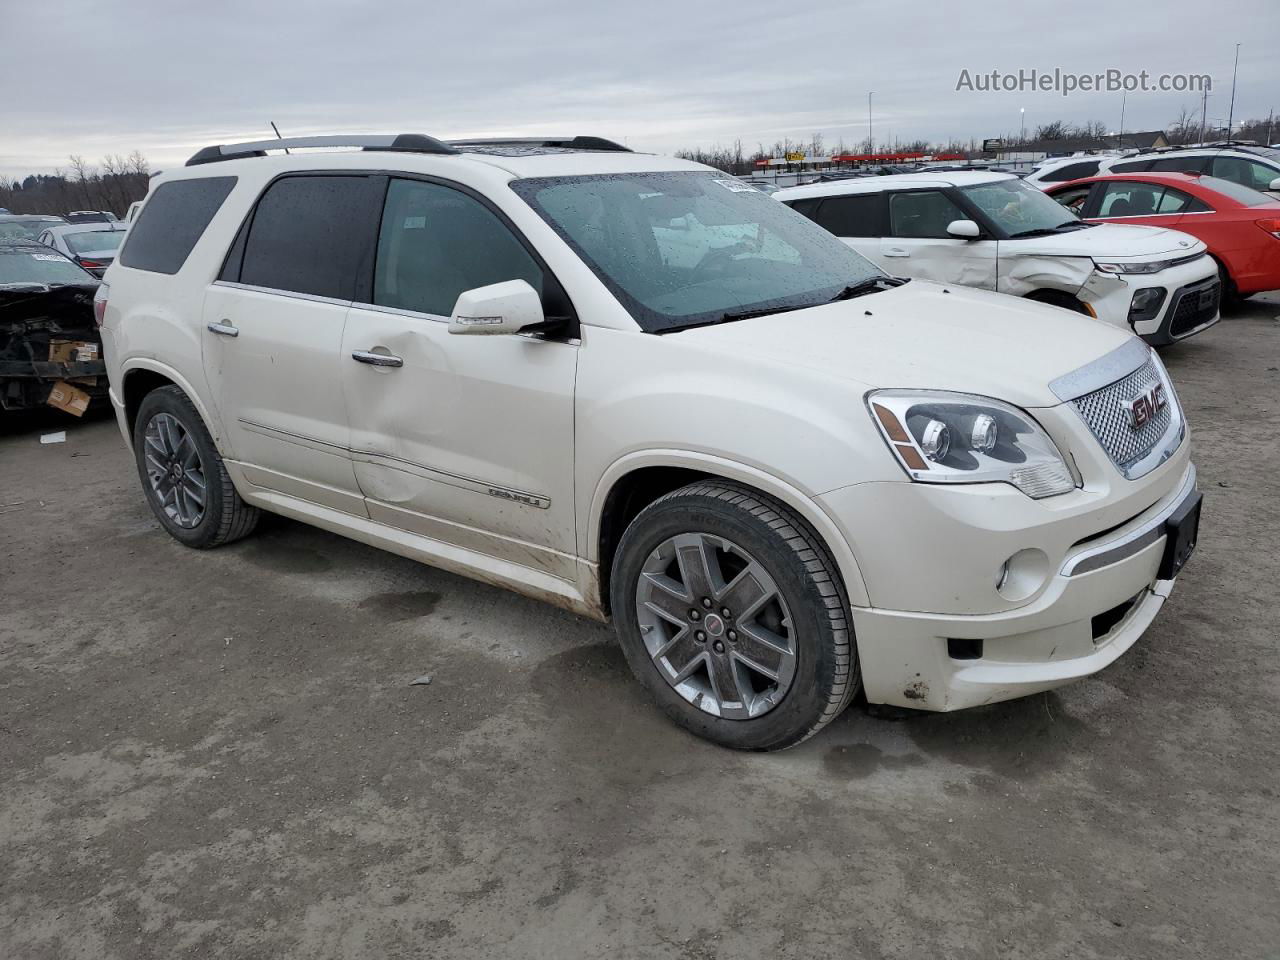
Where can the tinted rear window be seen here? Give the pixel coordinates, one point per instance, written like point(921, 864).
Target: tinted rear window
point(1072, 171)
point(171, 222)
point(1130, 166)
point(856, 215)
point(314, 235)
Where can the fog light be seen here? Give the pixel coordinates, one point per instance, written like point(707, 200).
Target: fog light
point(1022, 575)
point(1146, 304)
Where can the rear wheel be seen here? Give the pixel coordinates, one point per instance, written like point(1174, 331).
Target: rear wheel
point(183, 477)
point(732, 615)
point(1230, 295)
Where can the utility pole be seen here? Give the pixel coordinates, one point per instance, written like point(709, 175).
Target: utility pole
point(1231, 112)
point(1204, 112)
point(1123, 100)
point(871, 144)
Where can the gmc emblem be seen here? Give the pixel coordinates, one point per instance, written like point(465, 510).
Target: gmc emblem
point(1143, 408)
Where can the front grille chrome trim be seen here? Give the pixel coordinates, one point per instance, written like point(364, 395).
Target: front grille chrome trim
point(1109, 368)
point(1139, 538)
point(1135, 451)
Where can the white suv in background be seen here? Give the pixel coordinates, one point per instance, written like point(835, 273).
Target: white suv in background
point(1061, 169)
point(640, 389)
point(1249, 165)
point(991, 230)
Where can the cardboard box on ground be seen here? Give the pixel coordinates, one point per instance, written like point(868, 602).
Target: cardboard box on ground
point(70, 399)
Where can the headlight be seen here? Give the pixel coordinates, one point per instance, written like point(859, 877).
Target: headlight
point(942, 437)
point(1151, 266)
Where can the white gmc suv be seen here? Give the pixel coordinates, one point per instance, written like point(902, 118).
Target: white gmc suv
point(637, 388)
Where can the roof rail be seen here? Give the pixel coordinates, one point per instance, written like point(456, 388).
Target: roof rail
point(567, 143)
point(401, 142)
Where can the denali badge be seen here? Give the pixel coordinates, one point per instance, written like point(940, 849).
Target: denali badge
point(1143, 408)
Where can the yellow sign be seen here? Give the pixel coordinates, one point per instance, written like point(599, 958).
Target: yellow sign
point(795, 158)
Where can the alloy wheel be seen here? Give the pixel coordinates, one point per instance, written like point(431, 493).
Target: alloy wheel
point(716, 626)
point(175, 471)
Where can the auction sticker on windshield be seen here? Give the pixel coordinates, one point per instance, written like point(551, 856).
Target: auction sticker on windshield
point(737, 186)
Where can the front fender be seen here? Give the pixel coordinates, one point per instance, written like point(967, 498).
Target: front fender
point(796, 499)
point(1023, 275)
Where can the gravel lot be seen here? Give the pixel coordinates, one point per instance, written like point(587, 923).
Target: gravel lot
point(219, 754)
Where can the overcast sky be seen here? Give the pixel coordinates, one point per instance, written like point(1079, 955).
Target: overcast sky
point(166, 77)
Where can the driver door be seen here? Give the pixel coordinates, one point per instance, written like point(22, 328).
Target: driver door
point(917, 243)
point(467, 440)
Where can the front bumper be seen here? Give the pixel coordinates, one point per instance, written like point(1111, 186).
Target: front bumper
point(1110, 297)
point(1100, 598)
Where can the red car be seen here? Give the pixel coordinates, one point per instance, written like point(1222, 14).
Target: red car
point(1241, 227)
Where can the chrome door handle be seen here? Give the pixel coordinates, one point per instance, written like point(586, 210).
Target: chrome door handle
point(223, 328)
point(377, 359)
point(896, 252)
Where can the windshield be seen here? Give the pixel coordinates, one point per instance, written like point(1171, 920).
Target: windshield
point(94, 241)
point(683, 249)
point(27, 229)
point(1019, 209)
point(39, 265)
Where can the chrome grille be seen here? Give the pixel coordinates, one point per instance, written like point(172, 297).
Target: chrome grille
point(1107, 416)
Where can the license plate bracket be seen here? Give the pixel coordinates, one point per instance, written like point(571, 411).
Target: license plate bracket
point(1182, 529)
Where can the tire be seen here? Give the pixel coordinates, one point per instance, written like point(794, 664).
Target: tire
point(1230, 296)
point(1059, 298)
point(167, 419)
point(754, 544)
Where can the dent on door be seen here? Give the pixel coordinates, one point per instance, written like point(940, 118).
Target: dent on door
point(469, 440)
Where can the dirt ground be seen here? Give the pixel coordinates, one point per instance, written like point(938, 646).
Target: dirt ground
point(220, 754)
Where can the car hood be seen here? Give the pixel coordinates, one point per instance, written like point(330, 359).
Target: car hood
point(1110, 240)
point(928, 336)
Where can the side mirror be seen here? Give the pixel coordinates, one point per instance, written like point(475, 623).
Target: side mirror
point(964, 230)
point(497, 309)
point(1275, 185)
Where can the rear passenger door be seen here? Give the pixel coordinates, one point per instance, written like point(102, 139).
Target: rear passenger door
point(917, 243)
point(464, 439)
point(272, 332)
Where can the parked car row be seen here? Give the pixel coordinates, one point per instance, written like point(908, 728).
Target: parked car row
point(640, 389)
point(1248, 165)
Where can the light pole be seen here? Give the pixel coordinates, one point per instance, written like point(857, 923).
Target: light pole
point(1231, 111)
point(1022, 135)
point(1123, 101)
point(871, 144)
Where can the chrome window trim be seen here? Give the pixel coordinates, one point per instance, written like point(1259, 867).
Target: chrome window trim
point(1136, 540)
point(1106, 370)
point(291, 294)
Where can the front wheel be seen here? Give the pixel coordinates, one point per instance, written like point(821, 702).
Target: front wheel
point(185, 481)
point(732, 614)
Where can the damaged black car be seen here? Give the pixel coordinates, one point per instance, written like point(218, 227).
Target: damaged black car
point(50, 349)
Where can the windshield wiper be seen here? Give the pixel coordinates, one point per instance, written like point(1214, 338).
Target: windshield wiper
point(752, 314)
point(1048, 231)
point(869, 285)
